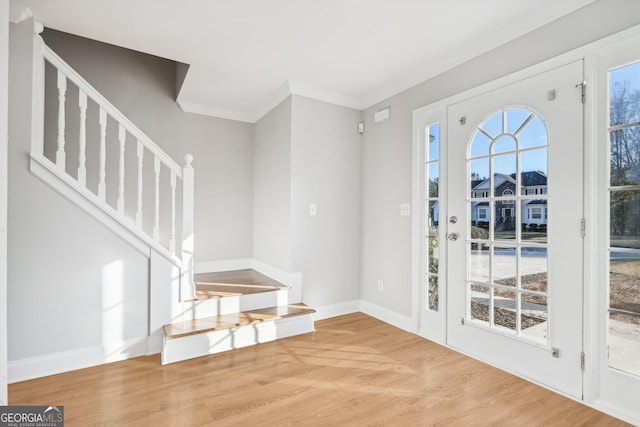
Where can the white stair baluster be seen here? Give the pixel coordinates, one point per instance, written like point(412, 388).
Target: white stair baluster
point(156, 215)
point(172, 238)
point(139, 205)
point(102, 174)
point(62, 94)
point(82, 155)
point(122, 136)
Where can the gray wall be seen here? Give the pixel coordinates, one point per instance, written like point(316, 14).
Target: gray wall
point(326, 169)
point(386, 243)
point(272, 188)
point(143, 87)
point(4, 101)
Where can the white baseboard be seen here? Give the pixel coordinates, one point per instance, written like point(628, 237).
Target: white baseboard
point(388, 316)
point(615, 411)
point(56, 363)
point(335, 310)
point(224, 265)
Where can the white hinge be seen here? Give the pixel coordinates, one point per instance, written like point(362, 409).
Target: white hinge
point(583, 227)
point(582, 361)
point(583, 91)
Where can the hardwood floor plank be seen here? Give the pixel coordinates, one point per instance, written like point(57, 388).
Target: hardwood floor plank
point(353, 371)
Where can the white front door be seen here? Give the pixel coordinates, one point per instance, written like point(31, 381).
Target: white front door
point(515, 286)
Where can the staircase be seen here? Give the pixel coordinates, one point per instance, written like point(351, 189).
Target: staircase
point(232, 310)
point(126, 171)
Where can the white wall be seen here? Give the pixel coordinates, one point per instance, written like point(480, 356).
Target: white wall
point(386, 243)
point(4, 100)
point(326, 169)
point(272, 188)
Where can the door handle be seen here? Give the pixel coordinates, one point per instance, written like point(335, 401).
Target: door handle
point(452, 236)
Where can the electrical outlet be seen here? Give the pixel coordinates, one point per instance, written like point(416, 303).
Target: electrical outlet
point(405, 209)
point(380, 285)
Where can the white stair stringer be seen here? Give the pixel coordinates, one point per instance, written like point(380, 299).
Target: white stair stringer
point(206, 343)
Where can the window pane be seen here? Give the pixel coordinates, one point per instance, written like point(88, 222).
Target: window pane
point(432, 214)
point(479, 173)
point(624, 95)
point(504, 144)
point(625, 219)
point(433, 142)
point(480, 145)
point(516, 118)
point(533, 269)
point(479, 300)
point(493, 125)
point(479, 264)
point(504, 266)
point(504, 170)
point(433, 179)
point(534, 134)
point(506, 221)
point(504, 309)
point(625, 156)
point(533, 317)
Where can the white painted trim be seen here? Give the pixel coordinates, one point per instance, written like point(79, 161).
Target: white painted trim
point(215, 111)
point(388, 316)
point(276, 274)
point(224, 265)
point(282, 93)
point(56, 363)
point(335, 310)
point(4, 131)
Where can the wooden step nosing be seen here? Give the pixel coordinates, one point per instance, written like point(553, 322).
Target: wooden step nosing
point(232, 325)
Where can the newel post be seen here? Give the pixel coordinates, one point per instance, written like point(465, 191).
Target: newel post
point(187, 283)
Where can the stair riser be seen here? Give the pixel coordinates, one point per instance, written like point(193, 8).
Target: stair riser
point(191, 346)
point(228, 305)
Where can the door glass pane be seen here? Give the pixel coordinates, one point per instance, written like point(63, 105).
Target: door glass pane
point(479, 264)
point(623, 321)
point(508, 207)
point(533, 268)
point(479, 303)
point(432, 193)
point(504, 266)
point(504, 309)
point(534, 134)
point(534, 316)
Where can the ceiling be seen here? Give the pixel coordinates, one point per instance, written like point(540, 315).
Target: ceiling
point(245, 56)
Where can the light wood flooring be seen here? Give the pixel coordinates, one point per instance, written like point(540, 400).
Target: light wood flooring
point(353, 371)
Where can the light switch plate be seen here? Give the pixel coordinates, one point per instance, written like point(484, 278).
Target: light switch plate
point(405, 209)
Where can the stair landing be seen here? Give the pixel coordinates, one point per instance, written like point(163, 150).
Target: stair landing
point(234, 283)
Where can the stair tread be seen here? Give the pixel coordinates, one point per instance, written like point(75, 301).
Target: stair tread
point(228, 321)
point(234, 283)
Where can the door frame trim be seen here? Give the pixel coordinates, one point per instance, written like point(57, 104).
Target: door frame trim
point(592, 130)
